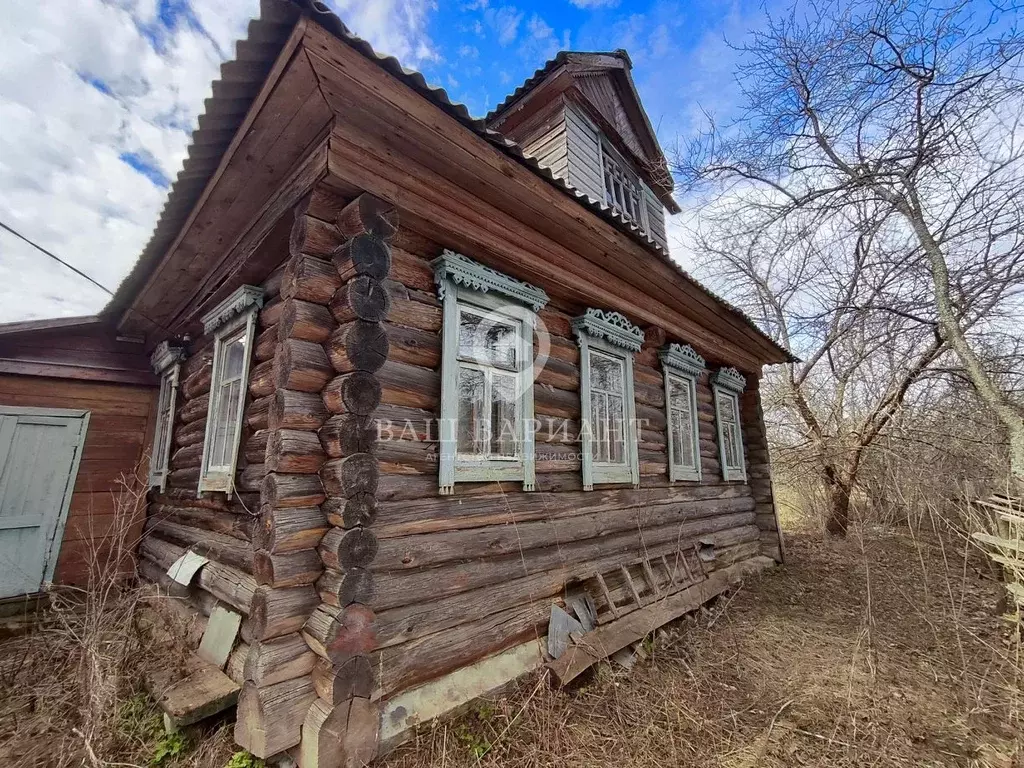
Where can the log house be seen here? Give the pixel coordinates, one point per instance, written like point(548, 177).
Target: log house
point(425, 376)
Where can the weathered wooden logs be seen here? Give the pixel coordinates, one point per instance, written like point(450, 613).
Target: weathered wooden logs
point(362, 298)
point(301, 365)
point(358, 392)
point(294, 450)
point(363, 255)
point(351, 475)
point(304, 320)
point(358, 346)
point(269, 718)
point(342, 549)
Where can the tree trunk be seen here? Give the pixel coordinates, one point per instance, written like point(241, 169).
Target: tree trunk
point(987, 389)
point(838, 522)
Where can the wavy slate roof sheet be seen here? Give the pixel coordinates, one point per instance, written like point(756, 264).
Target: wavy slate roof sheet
point(238, 85)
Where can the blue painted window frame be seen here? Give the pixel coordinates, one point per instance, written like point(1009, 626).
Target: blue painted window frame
point(728, 384)
point(464, 283)
point(681, 361)
point(610, 334)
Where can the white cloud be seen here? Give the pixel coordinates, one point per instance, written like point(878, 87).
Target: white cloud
point(594, 3)
point(84, 84)
point(505, 22)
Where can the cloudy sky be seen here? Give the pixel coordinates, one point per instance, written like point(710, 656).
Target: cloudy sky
point(98, 99)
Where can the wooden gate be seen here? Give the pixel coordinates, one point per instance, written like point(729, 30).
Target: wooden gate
point(40, 449)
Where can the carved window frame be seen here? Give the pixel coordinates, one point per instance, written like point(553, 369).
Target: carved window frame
point(233, 317)
point(612, 335)
point(681, 362)
point(166, 362)
point(728, 385)
point(464, 284)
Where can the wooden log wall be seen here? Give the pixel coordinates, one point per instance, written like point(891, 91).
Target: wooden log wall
point(457, 578)
point(293, 369)
point(343, 721)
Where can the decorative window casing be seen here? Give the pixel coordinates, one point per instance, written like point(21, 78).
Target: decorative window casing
point(486, 425)
point(233, 323)
point(608, 342)
point(622, 188)
point(728, 384)
point(166, 362)
point(682, 367)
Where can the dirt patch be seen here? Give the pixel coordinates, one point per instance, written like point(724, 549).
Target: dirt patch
point(882, 652)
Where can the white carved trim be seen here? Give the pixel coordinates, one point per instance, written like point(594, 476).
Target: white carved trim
point(238, 302)
point(463, 271)
point(730, 379)
point(613, 327)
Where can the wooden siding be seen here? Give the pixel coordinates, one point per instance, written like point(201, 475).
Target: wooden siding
point(88, 351)
point(115, 446)
point(583, 142)
point(655, 217)
point(600, 91)
point(548, 144)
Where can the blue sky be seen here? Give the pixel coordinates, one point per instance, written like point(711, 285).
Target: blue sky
point(98, 99)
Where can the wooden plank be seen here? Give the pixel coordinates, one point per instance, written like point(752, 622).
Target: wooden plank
point(609, 638)
point(202, 694)
point(632, 587)
point(607, 595)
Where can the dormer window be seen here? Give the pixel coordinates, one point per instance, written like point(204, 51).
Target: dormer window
point(622, 190)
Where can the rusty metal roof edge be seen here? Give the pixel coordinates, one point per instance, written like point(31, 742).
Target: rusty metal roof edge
point(270, 16)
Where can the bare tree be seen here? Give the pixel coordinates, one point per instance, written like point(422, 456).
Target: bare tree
point(836, 288)
point(915, 112)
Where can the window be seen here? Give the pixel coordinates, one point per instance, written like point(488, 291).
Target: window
point(728, 384)
point(486, 374)
point(622, 190)
point(682, 366)
point(609, 432)
point(234, 324)
point(166, 362)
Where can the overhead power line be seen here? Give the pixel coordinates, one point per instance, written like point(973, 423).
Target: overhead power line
point(56, 258)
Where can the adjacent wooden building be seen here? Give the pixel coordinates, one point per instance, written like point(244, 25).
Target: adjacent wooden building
point(424, 377)
point(76, 405)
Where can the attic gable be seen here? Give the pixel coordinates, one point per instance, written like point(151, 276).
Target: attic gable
point(601, 85)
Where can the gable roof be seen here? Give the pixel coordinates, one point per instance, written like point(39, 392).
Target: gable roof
point(604, 81)
point(234, 94)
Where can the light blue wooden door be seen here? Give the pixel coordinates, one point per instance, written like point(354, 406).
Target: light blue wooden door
point(39, 454)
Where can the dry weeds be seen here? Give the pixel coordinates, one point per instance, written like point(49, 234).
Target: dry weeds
point(881, 652)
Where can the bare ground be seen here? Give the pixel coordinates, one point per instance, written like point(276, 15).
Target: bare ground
point(877, 651)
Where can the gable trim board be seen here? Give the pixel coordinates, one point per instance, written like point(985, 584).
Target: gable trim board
point(51, 525)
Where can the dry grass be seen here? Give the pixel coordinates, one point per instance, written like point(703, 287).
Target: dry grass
point(884, 652)
point(70, 687)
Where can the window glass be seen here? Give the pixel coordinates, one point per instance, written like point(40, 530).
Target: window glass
point(228, 398)
point(488, 413)
point(607, 408)
point(684, 452)
point(727, 413)
point(471, 432)
point(487, 340)
point(158, 460)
